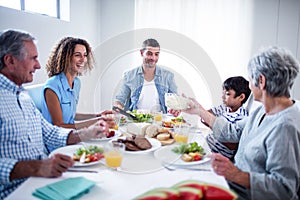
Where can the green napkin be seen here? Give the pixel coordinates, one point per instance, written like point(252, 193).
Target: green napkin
point(71, 188)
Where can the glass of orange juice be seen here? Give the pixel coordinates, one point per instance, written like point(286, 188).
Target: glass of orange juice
point(113, 153)
point(157, 117)
point(181, 133)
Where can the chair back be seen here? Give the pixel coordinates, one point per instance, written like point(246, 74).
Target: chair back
point(35, 92)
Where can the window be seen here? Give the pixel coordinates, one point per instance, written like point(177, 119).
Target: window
point(53, 8)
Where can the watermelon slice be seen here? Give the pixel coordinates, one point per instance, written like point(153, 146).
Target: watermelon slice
point(193, 184)
point(189, 193)
point(152, 195)
point(173, 194)
point(215, 192)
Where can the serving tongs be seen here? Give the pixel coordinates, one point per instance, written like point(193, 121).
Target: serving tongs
point(123, 112)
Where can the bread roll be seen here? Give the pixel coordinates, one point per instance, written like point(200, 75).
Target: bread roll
point(163, 136)
point(151, 131)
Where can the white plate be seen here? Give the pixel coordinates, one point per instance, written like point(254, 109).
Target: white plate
point(70, 150)
point(166, 155)
point(117, 134)
point(154, 142)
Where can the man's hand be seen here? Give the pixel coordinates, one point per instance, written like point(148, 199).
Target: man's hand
point(54, 166)
point(51, 167)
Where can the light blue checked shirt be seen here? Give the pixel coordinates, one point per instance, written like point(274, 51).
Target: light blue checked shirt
point(23, 133)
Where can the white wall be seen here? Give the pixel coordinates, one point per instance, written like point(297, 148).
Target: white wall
point(49, 30)
point(274, 22)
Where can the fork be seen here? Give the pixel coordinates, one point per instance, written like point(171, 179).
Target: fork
point(172, 168)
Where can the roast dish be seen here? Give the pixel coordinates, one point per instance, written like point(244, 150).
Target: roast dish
point(135, 143)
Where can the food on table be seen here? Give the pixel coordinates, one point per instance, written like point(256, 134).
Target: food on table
point(91, 154)
point(176, 102)
point(135, 143)
point(111, 134)
point(137, 128)
point(160, 193)
point(165, 136)
point(190, 152)
point(189, 189)
point(173, 122)
point(141, 117)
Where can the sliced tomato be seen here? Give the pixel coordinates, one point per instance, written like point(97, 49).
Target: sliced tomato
point(99, 156)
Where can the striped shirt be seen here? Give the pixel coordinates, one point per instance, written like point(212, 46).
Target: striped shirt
point(217, 146)
point(224, 111)
point(23, 133)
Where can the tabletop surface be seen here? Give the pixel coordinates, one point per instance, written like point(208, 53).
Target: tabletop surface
point(138, 174)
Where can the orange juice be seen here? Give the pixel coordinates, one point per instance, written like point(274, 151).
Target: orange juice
point(181, 138)
point(158, 118)
point(116, 127)
point(113, 159)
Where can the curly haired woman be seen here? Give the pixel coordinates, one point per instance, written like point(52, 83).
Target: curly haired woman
point(70, 58)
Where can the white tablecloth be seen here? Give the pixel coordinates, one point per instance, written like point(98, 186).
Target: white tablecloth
point(138, 174)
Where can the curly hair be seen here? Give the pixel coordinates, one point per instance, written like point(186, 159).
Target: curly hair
point(60, 57)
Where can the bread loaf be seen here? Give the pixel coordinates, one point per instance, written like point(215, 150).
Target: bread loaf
point(137, 128)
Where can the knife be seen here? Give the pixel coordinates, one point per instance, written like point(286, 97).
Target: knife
point(123, 112)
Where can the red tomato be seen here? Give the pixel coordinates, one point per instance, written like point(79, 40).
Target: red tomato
point(98, 156)
point(197, 157)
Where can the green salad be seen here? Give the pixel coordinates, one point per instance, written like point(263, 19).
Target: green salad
point(188, 148)
point(90, 150)
point(141, 117)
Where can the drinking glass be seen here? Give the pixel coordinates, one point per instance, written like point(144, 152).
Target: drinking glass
point(181, 133)
point(157, 117)
point(113, 153)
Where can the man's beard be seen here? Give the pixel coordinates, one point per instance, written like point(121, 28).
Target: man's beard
point(150, 65)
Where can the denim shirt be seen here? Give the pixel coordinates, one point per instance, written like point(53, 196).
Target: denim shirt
point(133, 80)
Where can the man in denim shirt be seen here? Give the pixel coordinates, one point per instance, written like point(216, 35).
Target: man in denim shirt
point(144, 87)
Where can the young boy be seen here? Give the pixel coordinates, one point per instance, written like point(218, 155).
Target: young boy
point(235, 93)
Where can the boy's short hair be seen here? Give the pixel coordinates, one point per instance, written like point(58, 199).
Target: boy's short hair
point(239, 84)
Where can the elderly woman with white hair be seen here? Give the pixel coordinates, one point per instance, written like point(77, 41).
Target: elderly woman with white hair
point(267, 163)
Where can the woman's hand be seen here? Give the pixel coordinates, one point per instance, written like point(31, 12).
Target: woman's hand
point(224, 167)
point(97, 130)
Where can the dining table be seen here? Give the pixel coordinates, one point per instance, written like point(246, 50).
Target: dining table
point(139, 173)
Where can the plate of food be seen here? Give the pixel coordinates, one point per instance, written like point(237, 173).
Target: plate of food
point(182, 154)
point(83, 156)
point(113, 134)
point(138, 144)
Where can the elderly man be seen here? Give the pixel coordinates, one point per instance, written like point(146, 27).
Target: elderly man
point(25, 135)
